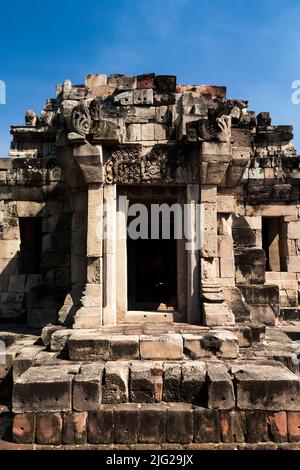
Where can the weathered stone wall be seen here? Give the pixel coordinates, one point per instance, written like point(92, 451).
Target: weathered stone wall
point(33, 188)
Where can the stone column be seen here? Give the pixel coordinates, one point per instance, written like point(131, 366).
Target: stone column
point(193, 268)
point(90, 162)
point(121, 247)
point(215, 161)
point(181, 266)
point(90, 314)
point(110, 258)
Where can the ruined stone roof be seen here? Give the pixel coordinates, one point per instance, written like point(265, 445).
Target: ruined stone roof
point(148, 110)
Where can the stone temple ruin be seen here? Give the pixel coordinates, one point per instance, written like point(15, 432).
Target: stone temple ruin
point(113, 340)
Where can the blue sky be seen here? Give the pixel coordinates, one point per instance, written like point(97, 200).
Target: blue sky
point(251, 47)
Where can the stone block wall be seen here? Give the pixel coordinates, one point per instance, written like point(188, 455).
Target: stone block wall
point(33, 188)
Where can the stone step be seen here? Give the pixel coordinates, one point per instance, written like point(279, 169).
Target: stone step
point(172, 346)
point(246, 385)
point(292, 330)
point(290, 313)
point(156, 424)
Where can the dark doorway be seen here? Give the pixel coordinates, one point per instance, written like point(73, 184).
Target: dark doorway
point(152, 273)
point(31, 245)
point(273, 244)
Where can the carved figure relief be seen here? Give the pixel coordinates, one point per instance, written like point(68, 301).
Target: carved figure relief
point(126, 165)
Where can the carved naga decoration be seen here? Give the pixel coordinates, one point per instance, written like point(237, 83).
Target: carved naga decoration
point(224, 126)
point(81, 119)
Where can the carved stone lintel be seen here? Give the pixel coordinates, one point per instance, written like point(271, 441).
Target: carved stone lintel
point(128, 165)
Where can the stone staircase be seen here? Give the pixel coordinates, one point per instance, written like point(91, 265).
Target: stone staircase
point(155, 384)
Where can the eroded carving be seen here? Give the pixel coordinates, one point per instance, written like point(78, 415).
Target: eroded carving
point(127, 165)
point(224, 125)
point(81, 119)
point(31, 118)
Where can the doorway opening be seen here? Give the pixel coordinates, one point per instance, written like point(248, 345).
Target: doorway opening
point(274, 244)
point(152, 267)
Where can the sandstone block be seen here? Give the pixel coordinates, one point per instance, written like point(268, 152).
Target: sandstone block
point(172, 382)
point(126, 423)
point(48, 428)
point(44, 389)
point(74, 428)
point(90, 347)
point(48, 331)
point(23, 430)
point(180, 423)
point(126, 83)
point(143, 97)
point(142, 382)
point(148, 132)
point(294, 426)
point(87, 388)
point(220, 388)
point(193, 382)
point(164, 347)
point(257, 426)
point(25, 359)
point(233, 426)
point(277, 425)
point(192, 346)
point(160, 132)
point(223, 343)
point(59, 339)
point(134, 132)
point(124, 347)
point(116, 383)
point(101, 425)
point(152, 425)
point(125, 98)
point(266, 387)
point(206, 425)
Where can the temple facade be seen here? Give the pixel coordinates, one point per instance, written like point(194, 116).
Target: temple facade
point(97, 150)
point(149, 271)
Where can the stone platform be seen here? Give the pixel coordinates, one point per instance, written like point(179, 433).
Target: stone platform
point(153, 384)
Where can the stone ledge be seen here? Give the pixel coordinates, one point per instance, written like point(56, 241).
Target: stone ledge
point(92, 346)
point(175, 424)
point(65, 386)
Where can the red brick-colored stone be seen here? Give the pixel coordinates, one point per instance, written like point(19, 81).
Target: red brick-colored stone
point(101, 425)
point(49, 428)
point(206, 425)
point(277, 423)
point(146, 81)
point(23, 430)
point(294, 426)
point(225, 427)
point(75, 428)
